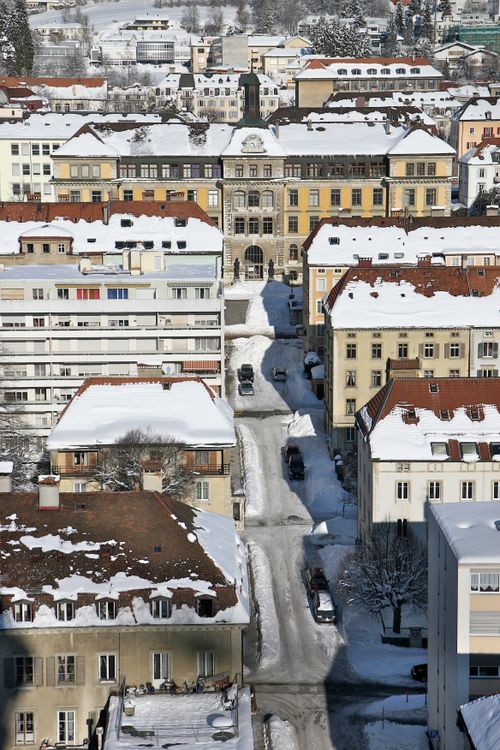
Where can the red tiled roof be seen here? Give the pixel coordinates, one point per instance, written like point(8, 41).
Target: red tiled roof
point(486, 142)
point(13, 81)
point(46, 212)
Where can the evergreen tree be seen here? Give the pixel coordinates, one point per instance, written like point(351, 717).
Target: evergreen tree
point(353, 9)
point(337, 39)
point(414, 7)
point(191, 18)
point(392, 44)
point(444, 8)
point(399, 18)
point(424, 47)
point(265, 16)
point(427, 24)
point(409, 35)
point(18, 32)
point(7, 51)
point(242, 15)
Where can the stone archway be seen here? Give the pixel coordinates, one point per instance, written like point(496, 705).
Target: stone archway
point(254, 262)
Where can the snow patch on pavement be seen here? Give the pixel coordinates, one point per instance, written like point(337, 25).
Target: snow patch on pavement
point(390, 736)
point(281, 734)
point(399, 707)
point(252, 473)
point(267, 312)
point(267, 616)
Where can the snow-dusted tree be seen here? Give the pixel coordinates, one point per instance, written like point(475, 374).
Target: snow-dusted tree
point(216, 22)
point(18, 32)
point(17, 444)
point(414, 7)
point(444, 8)
point(353, 9)
point(265, 16)
point(399, 17)
point(190, 19)
point(409, 35)
point(120, 465)
point(392, 44)
point(427, 23)
point(486, 198)
point(424, 47)
point(387, 572)
point(337, 39)
point(242, 15)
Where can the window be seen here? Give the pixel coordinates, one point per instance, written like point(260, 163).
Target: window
point(25, 728)
point(402, 351)
point(37, 293)
point(160, 666)
point(23, 670)
point(293, 253)
point(253, 199)
point(117, 293)
point(238, 170)
point(409, 197)
point(253, 225)
point(179, 292)
point(431, 168)
point(14, 149)
point(106, 609)
point(429, 351)
point(376, 351)
point(202, 292)
point(239, 199)
point(23, 611)
point(267, 199)
point(495, 490)
point(468, 450)
point(454, 350)
point(484, 582)
point(96, 196)
point(213, 199)
point(351, 350)
point(267, 226)
point(206, 664)
point(402, 490)
point(356, 196)
point(350, 379)
point(487, 671)
point(65, 670)
point(320, 285)
point(87, 294)
point(45, 247)
point(74, 196)
point(63, 294)
point(439, 449)
point(434, 491)
point(293, 224)
point(202, 489)
point(161, 608)
point(107, 667)
point(293, 197)
point(378, 197)
point(430, 197)
point(420, 168)
point(313, 222)
point(467, 490)
point(314, 198)
point(335, 197)
point(376, 378)
point(66, 721)
point(46, 169)
point(488, 349)
point(410, 169)
point(65, 611)
point(239, 225)
point(350, 407)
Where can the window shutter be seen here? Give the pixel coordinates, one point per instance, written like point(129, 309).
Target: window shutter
point(8, 673)
point(420, 350)
point(447, 350)
point(495, 349)
point(462, 350)
point(480, 350)
point(50, 671)
point(38, 671)
point(436, 351)
point(80, 670)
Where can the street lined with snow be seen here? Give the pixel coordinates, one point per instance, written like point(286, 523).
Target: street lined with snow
point(318, 681)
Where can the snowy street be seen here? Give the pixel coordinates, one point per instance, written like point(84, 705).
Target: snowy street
point(320, 682)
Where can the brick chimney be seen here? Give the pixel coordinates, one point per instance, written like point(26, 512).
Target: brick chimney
point(365, 262)
point(425, 261)
point(48, 492)
point(151, 476)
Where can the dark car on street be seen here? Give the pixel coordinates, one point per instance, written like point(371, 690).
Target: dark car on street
point(245, 373)
point(419, 672)
point(315, 580)
point(296, 469)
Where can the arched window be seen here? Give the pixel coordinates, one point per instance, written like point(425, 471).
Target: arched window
point(239, 199)
point(267, 199)
point(400, 71)
point(253, 198)
point(293, 252)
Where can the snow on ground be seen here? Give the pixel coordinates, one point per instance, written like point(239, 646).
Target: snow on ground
point(267, 616)
point(390, 736)
point(399, 707)
point(267, 312)
point(281, 734)
point(252, 473)
point(264, 354)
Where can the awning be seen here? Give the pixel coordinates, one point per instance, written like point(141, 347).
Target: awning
point(203, 365)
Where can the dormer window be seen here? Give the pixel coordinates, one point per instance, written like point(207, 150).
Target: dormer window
point(385, 72)
point(433, 388)
point(400, 71)
point(495, 449)
point(23, 611)
point(65, 610)
point(125, 222)
point(372, 71)
point(106, 609)
point(411, 414)
point(205, 606)
point(356, 71)
point(415, 71)
point(468, 450)
point(181, 244)
point(475, 414)
point(342, 72)
point(161, 608)
point(439, 449)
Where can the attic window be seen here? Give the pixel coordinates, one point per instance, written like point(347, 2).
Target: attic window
point(411, 414)
point(181, 244)
point(205, 606)
point(415, 71)
point(148, 244)
point(433, 388)
point(156, 548)
point(474, 414)
point(445, 415)
point(106, 609)
point(393, 274)
point(468, 450)
point(495, 449)
point(161, 608)
point(91, 239)
point(439, 449)
point(119, 245)
point(383, 256)
point(476, 293)
point(166, 244)
point(65, 610)
point(180, 222)
point(125, 222)
point(23, 612)
point(334, 240)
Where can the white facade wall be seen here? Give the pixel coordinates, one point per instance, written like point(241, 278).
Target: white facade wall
point(477, 177)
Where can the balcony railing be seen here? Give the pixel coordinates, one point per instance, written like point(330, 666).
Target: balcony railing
point(208, 468)
point(87, 469)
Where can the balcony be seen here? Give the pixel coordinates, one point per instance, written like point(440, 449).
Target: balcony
point(219, 469)
point(80, 470)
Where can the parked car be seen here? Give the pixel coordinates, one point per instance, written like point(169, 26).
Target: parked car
point(291, 450)
point(279, 374)
point(245, 388)
point(324, 608)
point(419, 672)
point(316, 580)
point(246, 373)
point(296, 469)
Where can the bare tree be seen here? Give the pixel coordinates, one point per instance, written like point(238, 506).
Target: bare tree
point(18, 444)
point(387, 571)
point(120, 465)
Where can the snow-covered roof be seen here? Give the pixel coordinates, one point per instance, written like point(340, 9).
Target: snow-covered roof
point(265, 40)
point(59, 126)
point(482, 154)
point(423, 297)
point(470, 530)
point(338, 138)
point(348, 68)
point(340, 245)
point(410, 415)
point(468, 90)
point(96, 236)
point(183, 410)
point(198, 81)
point(480, 109)
point(257, 142)
point(482, 719)
point(97, 554)
point(419, 141)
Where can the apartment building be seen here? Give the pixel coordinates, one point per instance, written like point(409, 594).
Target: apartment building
point(124, 48)
point(83, 615)
point(153, 305)
point(423, 441)
point(184, 415)
point(478, 119)
point(479, 170)
point(26, 150)
point(463, 616)
point(65, 94)
point(320, 78)
point(333, 247)
point(390, 321)
point(266, 187)
point(217, 96)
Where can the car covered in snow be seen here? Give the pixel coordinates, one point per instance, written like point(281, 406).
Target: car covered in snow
point(315, 580)
point(245, 388)
point(279, 374)
point(246, 373)
point(296, 468)
point(290, 450)
point(323, 607)
point(419, 672)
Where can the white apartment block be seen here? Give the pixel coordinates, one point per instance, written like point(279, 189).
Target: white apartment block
point(152, 305)
point(463, 615)
point(26, 150)
point(479, 170)
point(426, 441)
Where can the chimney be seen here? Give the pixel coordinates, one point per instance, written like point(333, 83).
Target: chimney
point(85, 265)
point(105, 213)
point(365, 262)
point(387, 127)
point(360, 101)
point(309, 125)
point(6, 476)
point(151, 476)
point(425, 261)
point(48, 492)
